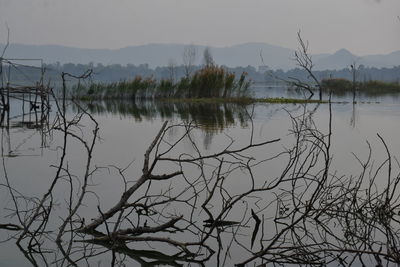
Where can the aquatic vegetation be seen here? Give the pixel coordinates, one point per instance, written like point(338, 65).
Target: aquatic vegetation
point(214, 81)
point(337, 85)
point(379, 87)
point(340, 86)
point(210, 81)
point(138, 87)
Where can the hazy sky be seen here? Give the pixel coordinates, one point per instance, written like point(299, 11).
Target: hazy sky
point(362, 26)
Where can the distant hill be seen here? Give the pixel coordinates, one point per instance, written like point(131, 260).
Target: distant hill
point(341, 59)
point(389, 60)
point(275, 57)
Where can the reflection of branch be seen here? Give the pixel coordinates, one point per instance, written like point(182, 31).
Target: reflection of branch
point(141, 255)
point(10, 227)
point(256, 227)
point(147, 229)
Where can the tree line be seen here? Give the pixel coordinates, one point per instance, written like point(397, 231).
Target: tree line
point(117, 72)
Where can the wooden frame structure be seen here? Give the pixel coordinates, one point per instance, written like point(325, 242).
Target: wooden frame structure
point(32, 94)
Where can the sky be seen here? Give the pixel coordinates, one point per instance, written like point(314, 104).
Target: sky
point(361, 26)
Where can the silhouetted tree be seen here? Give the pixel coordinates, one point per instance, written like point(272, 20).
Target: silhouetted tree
point(189, 57)
point(207, 57)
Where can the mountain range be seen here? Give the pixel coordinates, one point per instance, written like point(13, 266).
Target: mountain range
point(275, 57)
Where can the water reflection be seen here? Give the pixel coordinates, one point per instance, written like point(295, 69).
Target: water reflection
point(199, 209)
point(263, 90)
point(20, 128)
point(235, 199)
point(145, 258)
point(212, 118)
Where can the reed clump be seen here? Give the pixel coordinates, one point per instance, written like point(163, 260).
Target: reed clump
point(339, 86)
point(209, 82)
point(214, 81)
point(137, 88)
point(377, 87)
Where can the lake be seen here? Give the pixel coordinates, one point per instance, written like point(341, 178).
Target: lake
point(229, 174)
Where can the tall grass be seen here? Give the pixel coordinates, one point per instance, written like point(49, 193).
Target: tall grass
point(136, 88)
point(378, 87)
point(208, 82)
point(341, 86)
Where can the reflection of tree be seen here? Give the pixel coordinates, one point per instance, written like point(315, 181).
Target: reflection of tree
point(189, 57)
point(353, 117)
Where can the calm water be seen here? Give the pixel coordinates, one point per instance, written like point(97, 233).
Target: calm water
point(127, 129)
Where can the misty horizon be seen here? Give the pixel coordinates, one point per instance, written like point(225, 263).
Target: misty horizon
point(154, 55)
point(2, 44)
point(364, 27)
